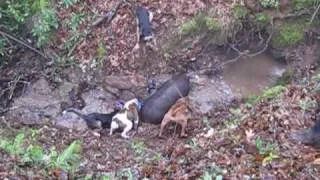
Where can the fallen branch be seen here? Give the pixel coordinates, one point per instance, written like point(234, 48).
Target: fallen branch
point(314, 14)
point(23, 43)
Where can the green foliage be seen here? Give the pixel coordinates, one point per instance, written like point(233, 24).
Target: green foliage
point(13, 147)
point(305, 105)
point(13, 14)
point(33, 153)
point(189, 26)
point(105, 177)
point(75, 21)
point(267, 150)
point(273, 92)
point(211, 23)
point(262, 19)
point(38, 5)
point(68, 3)
point(44, 26)
point(269, 93)
point(270, 3)
point(285, 78)
point(288, 35)
point(201, 21)
point(68, 160)
point(301, 4)
point(2, 51)
point(138, 147)
point(239, 12)
point(212, 173)
point(101, 51)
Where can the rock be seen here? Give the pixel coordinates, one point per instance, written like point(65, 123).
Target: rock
point(70, 121)
point(126, 95)
point(36, 105)
point(278, 54)
point(208, 94)
point(124, 82)
point(96, 100)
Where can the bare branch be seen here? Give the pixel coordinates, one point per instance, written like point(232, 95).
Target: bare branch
point(314, 14)
point(23, 43)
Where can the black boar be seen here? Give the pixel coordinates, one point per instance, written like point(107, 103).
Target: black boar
point(158, 104)
point(310, 137)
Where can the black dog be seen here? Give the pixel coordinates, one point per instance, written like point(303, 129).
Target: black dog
point(94, 120)
point(144, 29)
point(144, 18)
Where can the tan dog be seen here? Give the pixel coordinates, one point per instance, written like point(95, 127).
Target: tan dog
point(178, 113)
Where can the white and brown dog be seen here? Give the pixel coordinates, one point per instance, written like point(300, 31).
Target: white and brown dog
point(127, 118)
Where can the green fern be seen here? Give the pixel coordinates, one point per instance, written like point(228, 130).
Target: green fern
point(68, 160)
point(46, 24)
point(68, 3)
point(38, 5)
point(13, 147)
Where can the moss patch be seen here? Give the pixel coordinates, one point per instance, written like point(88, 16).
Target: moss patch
point(189, 27)
point(288, 35)
point(262, 19)
point(239, 12)
point(270, 3)
point(198, 23)
point(301, 4)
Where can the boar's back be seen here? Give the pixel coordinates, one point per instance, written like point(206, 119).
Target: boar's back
point(158, 104)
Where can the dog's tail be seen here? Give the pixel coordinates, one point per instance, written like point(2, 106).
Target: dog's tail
point(91, 123)
point(75, 111)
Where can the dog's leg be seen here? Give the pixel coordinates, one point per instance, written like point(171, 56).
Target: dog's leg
point(150, 16)
point(164, 122)
point(128, 127)
point(136, 123)
point(183, 126)
point(136, 47)
point(114, 125)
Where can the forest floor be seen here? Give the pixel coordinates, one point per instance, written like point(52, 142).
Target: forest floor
point(246, 140)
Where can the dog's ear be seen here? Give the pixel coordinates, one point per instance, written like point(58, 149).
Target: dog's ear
point(132, 107)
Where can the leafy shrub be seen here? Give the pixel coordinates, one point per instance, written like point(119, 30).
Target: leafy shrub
point(269, 93)
point(288, 35)
point(199, 22)
point(13, 147)
point(262, 19)
point(301, 4)
point(68, 3)
point(44, 26)
point(13, 14)
point(267, 151)
point(211, 23)
point(68, 160)
point(270, 3)
point(189, 26)
point(75, 21)
point(239, 12)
